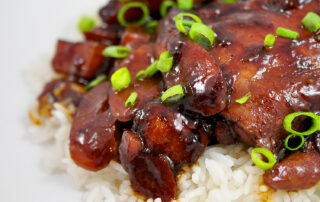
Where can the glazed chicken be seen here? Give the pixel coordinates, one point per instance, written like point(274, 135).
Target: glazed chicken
point(153, 140)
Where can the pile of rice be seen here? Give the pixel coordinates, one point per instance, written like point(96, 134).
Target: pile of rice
point(222, 173)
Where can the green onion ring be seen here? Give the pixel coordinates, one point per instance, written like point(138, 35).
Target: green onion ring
point(260, 163)
point(165, 62)
point(173, 94)
point(121, 79)
point(126, 7)
point(116, 51)
point(150, 71)
point(96, 82)
point(198, 32)
point(295, 148)
point(131, 99)
point(185, 4)
point(165, 6)
point(287, 123)
point(181, 23)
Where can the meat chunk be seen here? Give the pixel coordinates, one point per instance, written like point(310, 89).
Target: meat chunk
point(60, 90)
point(298, 171)
point(147, 89)
point(166, 131)
point(105, 34)
point(81, 59)
point(93, 137)
point(150, 175)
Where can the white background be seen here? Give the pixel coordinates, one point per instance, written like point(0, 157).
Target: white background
point(28, 33)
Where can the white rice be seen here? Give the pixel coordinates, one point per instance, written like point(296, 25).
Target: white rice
point(222, 173)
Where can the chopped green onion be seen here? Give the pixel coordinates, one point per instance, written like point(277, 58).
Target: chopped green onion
point(96, 82)
point(202, 34)
point(244, 99)
point(287, 123)
point(173, 94)
point(86, 24)
point(126, 7)
point(131, 99)
point(165, 62)
point(269, 40)
point(293, 136)
point(311, 21)
point(150, 71)
point(260, 163)
point(287, 33)
point(165, 6)
point(181, 23)
point(318, 38)
point(185, 4)
point(121, 79)
point(151, 26)
point(116, 52)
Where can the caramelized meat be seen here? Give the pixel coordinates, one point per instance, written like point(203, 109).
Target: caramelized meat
point(94, 133)
point(166, 131)
point(298, 171)
point(150, 175)
point(104, 34)
point(62, 91)
point(80, 59)
point(147, 89)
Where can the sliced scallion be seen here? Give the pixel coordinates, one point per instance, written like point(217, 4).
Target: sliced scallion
point(151, 26)
point(311, 21)
point(286, 142)
point(287, 33)
point(185, 4)
point(126, 7)
point(201, 34)
point(165, 62)
point(269, 40)
point(173, 94)
point(165, 6)
point(181, 23)
point(287, 123)
point(260, 163)
point(116, 52)
point(131, 99)
point(121, 79)
point(96, 82)
point(244, 99)
point(150, 71)
point(86, 24)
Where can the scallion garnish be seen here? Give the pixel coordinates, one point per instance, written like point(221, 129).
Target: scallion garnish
point(318, 38)
point(260, 163)
point(287, 123)
point(286, 142)
point(150, 71)
point(126, 7)
point(165, 62)
point(121, 79)
point(202, 34)
point(229, 1)
point(287, 33)
point(165, 6)
point(96, 82)
point(185, 4)
point(173, 94)
point(86, 24)
point(151, 26)
point(131, 99)
point(269, 40)
point(116, 52)
point(244, 99)
point(181, 23)
point(311, 21)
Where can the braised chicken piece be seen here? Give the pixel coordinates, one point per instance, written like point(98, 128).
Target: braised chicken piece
point(63, 91)
point(163, 141)
point(81, 59)
point(104, 34)
point(94, 135)
point(150, 175)
point(142, 55)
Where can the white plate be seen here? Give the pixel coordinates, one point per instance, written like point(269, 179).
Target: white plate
point(29, 30)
